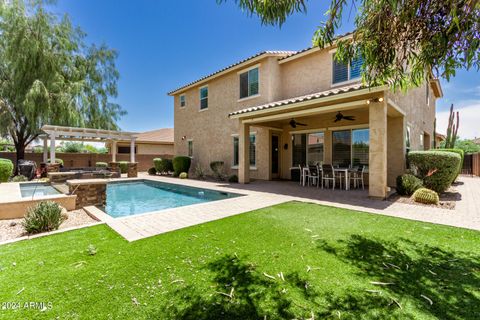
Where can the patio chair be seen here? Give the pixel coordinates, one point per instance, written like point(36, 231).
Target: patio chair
point(313, 175)
point(357, 176)
point(328, 174)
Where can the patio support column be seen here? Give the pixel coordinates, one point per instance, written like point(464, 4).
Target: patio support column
point(52, 148)
point(45, 149)
point(378, 150)
point(244, 153)
point(132, 150)
point(114, 151)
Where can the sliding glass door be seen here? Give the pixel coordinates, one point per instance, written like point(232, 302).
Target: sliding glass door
point(307, 148)
point(350, 147)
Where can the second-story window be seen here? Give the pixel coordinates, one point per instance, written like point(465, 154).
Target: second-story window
point(203, 98)
point(249, 83)
point(182, 101)
point(345, 72)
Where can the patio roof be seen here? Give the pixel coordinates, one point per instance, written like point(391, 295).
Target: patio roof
point(305, 98)
point(87, 134)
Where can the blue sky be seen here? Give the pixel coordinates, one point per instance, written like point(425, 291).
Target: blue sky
point(165, 44)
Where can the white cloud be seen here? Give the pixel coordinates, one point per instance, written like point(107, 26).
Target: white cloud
point(469, 121)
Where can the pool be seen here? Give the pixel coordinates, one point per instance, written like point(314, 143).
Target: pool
point(37, 190)
point(131, 198)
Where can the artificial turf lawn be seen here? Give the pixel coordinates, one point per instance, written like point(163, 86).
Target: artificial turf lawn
point(294, 260)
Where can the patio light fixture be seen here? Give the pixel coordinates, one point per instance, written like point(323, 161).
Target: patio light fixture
point(375, 100)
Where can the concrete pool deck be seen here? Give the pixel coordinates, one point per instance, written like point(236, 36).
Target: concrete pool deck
point(13, 205)
point(261, 194)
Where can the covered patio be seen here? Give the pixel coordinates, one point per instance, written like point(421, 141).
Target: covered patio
point(307, 130)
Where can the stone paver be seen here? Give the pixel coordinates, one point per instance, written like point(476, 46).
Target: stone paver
point(261, 194)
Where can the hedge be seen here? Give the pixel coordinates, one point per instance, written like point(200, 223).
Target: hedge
point(123, 165)
point(6, 169)
point(57, 160)
point(407, 184)
point(163, 165)
point(181, 164)
point(437, 169)
point(462, 156)
point(101, 164)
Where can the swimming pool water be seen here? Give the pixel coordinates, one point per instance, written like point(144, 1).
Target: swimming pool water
point(37, 190)
point(130, 198)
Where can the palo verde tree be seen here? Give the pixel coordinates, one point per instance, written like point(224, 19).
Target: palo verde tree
point(401, 42)
point(49, 75)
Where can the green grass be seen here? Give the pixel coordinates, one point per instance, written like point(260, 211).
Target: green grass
point(222, 270)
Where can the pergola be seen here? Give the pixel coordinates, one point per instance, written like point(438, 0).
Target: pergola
point(85, 134)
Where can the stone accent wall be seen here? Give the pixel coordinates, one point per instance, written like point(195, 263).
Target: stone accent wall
point(89, 193)
point(53, 167)
point(132, 170)
point(114, 166)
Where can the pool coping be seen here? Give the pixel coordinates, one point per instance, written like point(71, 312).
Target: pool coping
point(152, 223)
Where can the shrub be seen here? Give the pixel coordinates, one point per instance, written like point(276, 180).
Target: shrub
point(183, 175)
point(57, 160)
point(217, 169)
point(199, 172)
point(123, 165)
point(427, 196)
point(407, 184)
point(181, 164)
point(437, 169)
point(233, 179)
point(19, 178)
point(152, 171)
point(462, 156)
point(101, 164)
point(45, 216)
point(6, 169)
point(73, 147)
point(163, 165)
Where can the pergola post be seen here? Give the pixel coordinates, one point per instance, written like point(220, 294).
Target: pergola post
point(52, 148)
point(244, 153)
point(45, 149)
point(132, 150)
point(114, 151)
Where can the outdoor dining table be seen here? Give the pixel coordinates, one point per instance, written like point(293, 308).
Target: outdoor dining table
point(305, 171)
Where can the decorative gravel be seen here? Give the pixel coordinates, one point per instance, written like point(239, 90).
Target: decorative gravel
point(12, 228)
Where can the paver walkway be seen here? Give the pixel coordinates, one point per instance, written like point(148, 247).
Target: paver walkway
point(260, 194)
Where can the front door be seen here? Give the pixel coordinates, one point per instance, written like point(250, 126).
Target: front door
point(275, 156)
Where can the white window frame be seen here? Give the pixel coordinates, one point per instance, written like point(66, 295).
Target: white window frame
point(257, 66)
point(332, 84)
point(235, 135)
point(184, 101)
point(200, 98)
point(190, 142)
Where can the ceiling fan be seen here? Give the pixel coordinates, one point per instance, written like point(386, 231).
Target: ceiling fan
point(339, 116)
point(293, 123)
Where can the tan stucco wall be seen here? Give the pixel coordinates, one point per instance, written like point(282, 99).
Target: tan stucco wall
point(151, 148)
point(212, 131)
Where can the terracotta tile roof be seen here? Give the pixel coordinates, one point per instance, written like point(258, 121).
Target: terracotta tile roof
point(314, 47)
point(476, 141)
point(164, 135)
point(269, 52)
point(307, 97)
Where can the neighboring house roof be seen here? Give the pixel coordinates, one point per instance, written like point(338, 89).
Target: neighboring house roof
point(164, 135)
point(440, 136)
point(476, 140)
point(236, 64)
point(313, 96)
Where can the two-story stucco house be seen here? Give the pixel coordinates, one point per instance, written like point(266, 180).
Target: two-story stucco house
point(267, 114)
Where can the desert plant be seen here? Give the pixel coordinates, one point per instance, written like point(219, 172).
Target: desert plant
point(199, 172)
point(233, 179)
point(152, 171)
point(407, 184)
point(217, 169)
point(45, 216)
point(183, 175)
point(6, 169)
point(123, 165)
point(163, 165)
point(19, 178)
point(437, 169)
point(452, 129)
point(57, 160)
point(181, 164)
point(101, 164)
point(426, 196)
